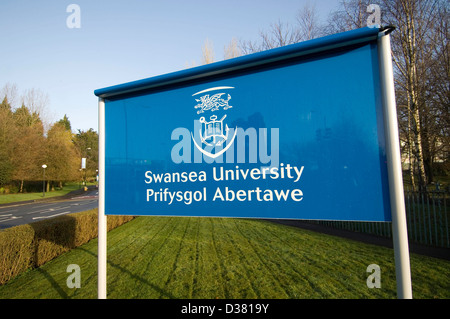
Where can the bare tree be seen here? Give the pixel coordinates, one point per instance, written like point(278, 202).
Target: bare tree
point(438, 93)
point(207, 52)
point(308, 23)
point(413, 46)
point(35, 100)
point(232, 50)
point(278, 35)
point(10, 91)
point(307, 27)
point(352, 14)
point(416, 53)
point(37, 103)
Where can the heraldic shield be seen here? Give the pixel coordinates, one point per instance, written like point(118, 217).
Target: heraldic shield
point(214, 132)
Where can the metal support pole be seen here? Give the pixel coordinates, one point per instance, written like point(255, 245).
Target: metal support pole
point(399, 227)
point(43, 185)
point(102, 222)
point(43, 180)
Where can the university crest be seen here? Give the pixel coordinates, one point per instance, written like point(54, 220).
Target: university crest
point(213, 132)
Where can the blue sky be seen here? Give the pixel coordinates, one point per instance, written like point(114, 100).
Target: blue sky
point(121, 41)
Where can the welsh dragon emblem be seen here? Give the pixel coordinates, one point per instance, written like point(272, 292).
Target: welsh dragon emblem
point(214, 132)
point(212, 103)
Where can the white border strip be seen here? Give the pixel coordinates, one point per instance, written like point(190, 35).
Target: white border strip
point(102, 221)
point(213, 89)
point(399, 227)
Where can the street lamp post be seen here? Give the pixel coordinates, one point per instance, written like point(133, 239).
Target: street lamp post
point(43, 181)
point(84, 166)
point(85, 169)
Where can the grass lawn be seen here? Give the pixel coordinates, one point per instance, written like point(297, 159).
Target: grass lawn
point(12, 198)
point(169, 257)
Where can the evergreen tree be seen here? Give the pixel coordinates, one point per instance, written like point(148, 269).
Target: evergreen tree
point(65, 123)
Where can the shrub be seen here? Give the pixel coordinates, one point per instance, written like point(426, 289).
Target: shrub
point(16, 254)
point(32, 245)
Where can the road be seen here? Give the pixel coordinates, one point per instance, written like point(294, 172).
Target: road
point(18, 214)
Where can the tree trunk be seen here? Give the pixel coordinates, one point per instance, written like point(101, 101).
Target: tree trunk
point(410, 151)
point(411, 63)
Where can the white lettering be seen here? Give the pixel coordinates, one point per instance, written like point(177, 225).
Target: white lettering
point(169, 196)
point(374, 280)
point(74, 279)
point(246, 308)
point(229, 195)
point(221, 174)
point(73, 21)
point(198, 309)
point(181, 152)
point(297, 195)
point(174, 177)
point(249, 144)
point(374, 18)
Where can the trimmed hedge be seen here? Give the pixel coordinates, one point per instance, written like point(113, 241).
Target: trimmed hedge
point(32, 245)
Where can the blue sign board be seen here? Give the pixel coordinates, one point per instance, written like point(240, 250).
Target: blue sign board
point(290, 133)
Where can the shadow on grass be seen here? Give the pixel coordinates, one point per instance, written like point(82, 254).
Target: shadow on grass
point(51, 238)
point(55, 236)
point(54, 283)
point(123, 270)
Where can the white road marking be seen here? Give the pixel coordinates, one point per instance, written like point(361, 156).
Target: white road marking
point(51, 215)
point(10, 211)
point(47, 210)
point(12, 218)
